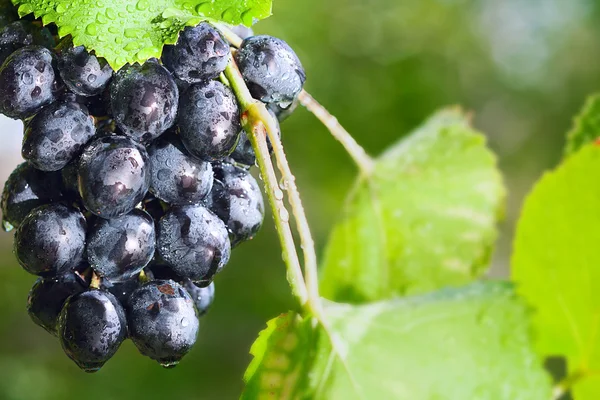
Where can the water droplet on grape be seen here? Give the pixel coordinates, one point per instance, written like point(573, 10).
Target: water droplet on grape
point(27, 78)
point(169, 364)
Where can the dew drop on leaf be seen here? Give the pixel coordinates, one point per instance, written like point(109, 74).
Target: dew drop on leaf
point(25, 9)
point(131, 33)
point(91, 29)
point(111, 13)
point(101, 18)
point(247, 17)
point(228, 15)
point(147, 52)
point(203, 8)
point(131, 46)
point(142, 5)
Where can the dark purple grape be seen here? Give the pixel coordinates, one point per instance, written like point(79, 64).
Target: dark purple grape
point(119, 248)
point(194, 242)
point(144, 100)
point(8, 13)
point(56, 135)
point(92, 326)
point(201, 53)
point(20, 34)
point(69, 177)
point(47, 297)
point(114, 176)
point(177, 178)
point(236, 199)
point(271, 69)
point(162, 321)
point(209, 121)
point(203, 296)
point(27, 188)
point(243, 154)
point(51, 240)
point(82, 72)
point(14, 36)
point(27, 82)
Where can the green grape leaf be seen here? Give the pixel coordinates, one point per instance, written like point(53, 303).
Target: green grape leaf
point(425, 219)
point(586, 127)
point(466, 343)
point(556, 265)
point(133, 31)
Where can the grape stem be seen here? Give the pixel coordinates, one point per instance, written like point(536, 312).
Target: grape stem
point(96, 281)
point(359, 155)
point(364, 162)
point(254, 125)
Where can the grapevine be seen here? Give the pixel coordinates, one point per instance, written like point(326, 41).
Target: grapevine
point(144, 123)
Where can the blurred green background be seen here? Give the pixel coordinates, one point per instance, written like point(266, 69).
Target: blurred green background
point(381, 66)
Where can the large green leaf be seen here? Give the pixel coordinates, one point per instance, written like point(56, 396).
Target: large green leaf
point(586, 128)
point(424, 219)
point(125, 31)
point(469, 343)
point(556, 265)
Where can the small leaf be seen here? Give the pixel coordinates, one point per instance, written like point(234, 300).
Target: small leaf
point(556, 264)
point(468, 343)
point(424, 219)
point(128, 31)
point(586, 128)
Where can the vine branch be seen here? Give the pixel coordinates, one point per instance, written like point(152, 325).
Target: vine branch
point(289, 185)
point(257, 133)
point(258, 122)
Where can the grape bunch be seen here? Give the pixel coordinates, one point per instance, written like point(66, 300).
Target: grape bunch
point(136, 184)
